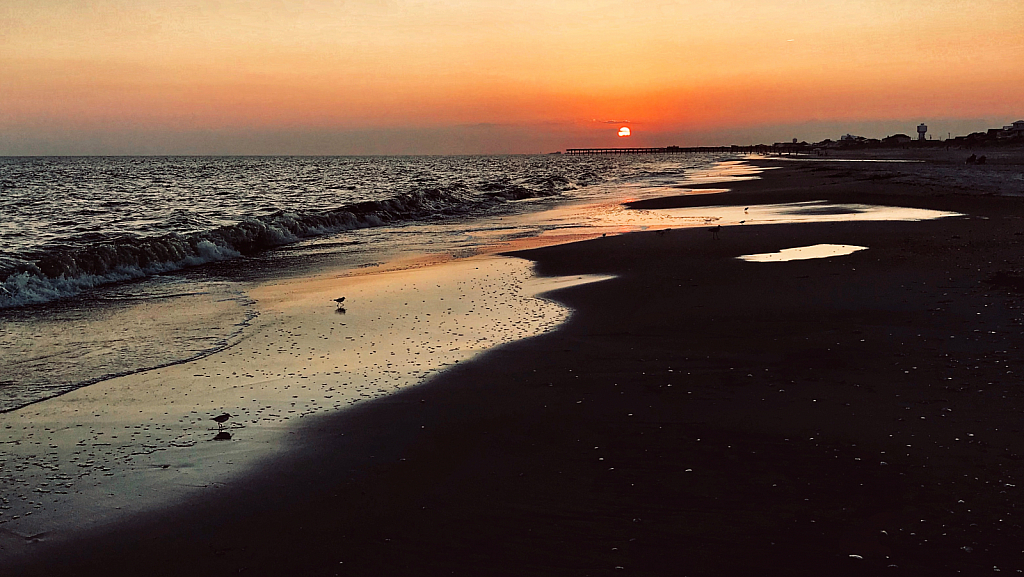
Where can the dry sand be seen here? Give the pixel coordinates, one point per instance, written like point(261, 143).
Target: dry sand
point(697, 415)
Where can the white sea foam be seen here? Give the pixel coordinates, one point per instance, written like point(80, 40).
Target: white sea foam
point(62, 269)
point(430, 213)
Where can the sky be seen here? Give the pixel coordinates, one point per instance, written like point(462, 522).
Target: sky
point(483, 76)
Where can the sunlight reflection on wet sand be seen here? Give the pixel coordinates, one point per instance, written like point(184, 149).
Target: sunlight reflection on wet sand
point(813, 211)
point(804, 253)
point(69, 458)
point(596, 219)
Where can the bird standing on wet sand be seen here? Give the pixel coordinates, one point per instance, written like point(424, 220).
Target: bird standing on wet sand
point(221, 419)
point(340, 301)
point(714, 231)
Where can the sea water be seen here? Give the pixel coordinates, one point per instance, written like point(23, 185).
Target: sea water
point(110, 266)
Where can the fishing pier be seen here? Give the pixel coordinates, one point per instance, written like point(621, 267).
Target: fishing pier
point(752, 149)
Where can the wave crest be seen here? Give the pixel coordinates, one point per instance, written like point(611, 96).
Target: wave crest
point(61, 271)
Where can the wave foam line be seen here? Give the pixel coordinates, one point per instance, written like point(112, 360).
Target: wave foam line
point(60, 272)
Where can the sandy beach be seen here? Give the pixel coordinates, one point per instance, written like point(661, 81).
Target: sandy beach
point(665, 409)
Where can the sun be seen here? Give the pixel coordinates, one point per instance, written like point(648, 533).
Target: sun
point(624, 131)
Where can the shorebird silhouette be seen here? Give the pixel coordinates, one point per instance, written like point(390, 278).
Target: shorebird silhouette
point(339, 301)
point(221, 419)
point(714, 231)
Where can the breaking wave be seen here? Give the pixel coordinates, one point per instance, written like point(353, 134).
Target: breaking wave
point(55, 272)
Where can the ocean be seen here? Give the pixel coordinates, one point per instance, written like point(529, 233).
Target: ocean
point(115, 265)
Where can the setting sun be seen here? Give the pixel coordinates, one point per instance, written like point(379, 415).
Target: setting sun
point(414, 212)
point(404, 77)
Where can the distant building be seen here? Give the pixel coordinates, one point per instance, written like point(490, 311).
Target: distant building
point(897, 139)
point(922, 130)
point(1014, 130)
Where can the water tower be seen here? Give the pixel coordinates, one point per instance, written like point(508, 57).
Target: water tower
point(921, 131)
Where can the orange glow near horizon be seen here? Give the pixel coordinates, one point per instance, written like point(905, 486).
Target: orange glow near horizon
point(157, 66)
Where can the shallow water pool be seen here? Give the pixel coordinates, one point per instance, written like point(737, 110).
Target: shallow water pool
point(804, 253)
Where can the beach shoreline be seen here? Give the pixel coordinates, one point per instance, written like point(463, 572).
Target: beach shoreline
point(130, 444)
point(697, 415)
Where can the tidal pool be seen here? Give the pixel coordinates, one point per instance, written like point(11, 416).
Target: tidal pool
point(813, 211)
point(804, 253)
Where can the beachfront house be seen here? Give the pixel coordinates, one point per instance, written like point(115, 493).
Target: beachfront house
point(897, 139)
point(1010, 131)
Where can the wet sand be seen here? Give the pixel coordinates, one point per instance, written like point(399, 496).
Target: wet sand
point(125, 446)
point(698, 415)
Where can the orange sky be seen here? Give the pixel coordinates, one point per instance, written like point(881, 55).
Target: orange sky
point(396, 76)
